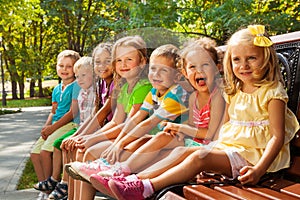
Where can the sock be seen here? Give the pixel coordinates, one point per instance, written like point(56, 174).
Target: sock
point(53, 179)
point(64, 182)
point(148, 188)
point(125, 169)
point(131, 177)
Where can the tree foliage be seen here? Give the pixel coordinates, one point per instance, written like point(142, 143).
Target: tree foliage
point(35, 31)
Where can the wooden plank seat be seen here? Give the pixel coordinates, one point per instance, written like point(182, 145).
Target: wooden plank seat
point(281, 185)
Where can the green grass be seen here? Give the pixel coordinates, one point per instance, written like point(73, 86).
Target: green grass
point(28, 178)
point(22, 103)
point(30, 102)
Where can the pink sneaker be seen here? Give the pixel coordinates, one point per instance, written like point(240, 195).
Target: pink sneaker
point(100, 183)
point(117, 169)
point(85, 170)
point(125, 190)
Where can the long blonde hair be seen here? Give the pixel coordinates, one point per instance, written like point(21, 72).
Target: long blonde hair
point(139, 44)
point(270, 70)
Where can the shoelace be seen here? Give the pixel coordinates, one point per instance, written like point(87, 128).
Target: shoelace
point(132, 186)
point(115, 178)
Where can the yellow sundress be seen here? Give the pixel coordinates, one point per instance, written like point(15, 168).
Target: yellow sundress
point(247, 132)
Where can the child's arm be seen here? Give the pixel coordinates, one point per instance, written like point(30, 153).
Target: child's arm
point(137, 127)
point(134, 129)
point(49, 120)
point(252, 174)
point(118, 118)
point(217, 109)
point(218, 113)
point(95, 122)
point(111, 130)
point(48, 130)
point(53, 111)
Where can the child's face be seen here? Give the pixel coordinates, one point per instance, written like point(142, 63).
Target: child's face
point(84, 77)
point(102, 64)
point(162, 74)
point(127, 60)
point(246, 61)
point(200, 70)
point(64, 68)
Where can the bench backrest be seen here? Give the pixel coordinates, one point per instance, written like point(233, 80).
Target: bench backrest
point(288, 51)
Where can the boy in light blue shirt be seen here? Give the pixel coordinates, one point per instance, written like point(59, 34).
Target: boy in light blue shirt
point(61, 119)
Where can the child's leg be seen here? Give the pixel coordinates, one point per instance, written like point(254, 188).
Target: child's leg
point(215, 160)
point(47, 148)
point(35, 159)
point(133, 146)
point(75, 186)
point(57, 164)
point(150, 150)
point(87, 191)
point(171, 160)
point(74, 156)
point(66, 158)
point(46, 159)
point(94, 152)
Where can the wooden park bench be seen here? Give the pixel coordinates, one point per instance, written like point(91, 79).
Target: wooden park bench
point(284, 184)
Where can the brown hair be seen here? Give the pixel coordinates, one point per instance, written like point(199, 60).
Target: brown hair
point(69, 53)
point(168, 51)
point(204, 43)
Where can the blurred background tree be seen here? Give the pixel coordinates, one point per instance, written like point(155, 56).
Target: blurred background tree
point(35, 31)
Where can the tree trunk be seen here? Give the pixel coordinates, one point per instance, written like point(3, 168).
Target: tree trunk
point(14, 89)
point(21, 88)
point(41, 93)
point(31, 87)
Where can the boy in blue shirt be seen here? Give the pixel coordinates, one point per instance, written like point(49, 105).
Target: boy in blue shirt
point(61, 119)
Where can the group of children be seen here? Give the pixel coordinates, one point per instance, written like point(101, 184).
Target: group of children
point(128, 127)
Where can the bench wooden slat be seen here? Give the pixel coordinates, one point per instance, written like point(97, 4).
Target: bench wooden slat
point(269, 193)
point(238, 193)
point(172, 196)
point(293, 190)
point(277, 184)
point(197, 192)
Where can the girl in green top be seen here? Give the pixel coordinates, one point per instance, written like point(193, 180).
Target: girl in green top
point(129, 61)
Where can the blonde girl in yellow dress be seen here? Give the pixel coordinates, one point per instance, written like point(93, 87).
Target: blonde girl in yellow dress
point(258, 125)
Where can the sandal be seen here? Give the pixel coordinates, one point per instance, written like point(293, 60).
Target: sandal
point(46, 186)
point(60, 192)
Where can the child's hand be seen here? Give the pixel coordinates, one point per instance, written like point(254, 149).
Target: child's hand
point(249, 175)
point(83, 143)
point(180, 136)
point(46, 131)
point(68, 144)
point(111, 154)
point(171, 128)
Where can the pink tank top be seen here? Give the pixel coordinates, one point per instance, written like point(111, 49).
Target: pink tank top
point(201, 117)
